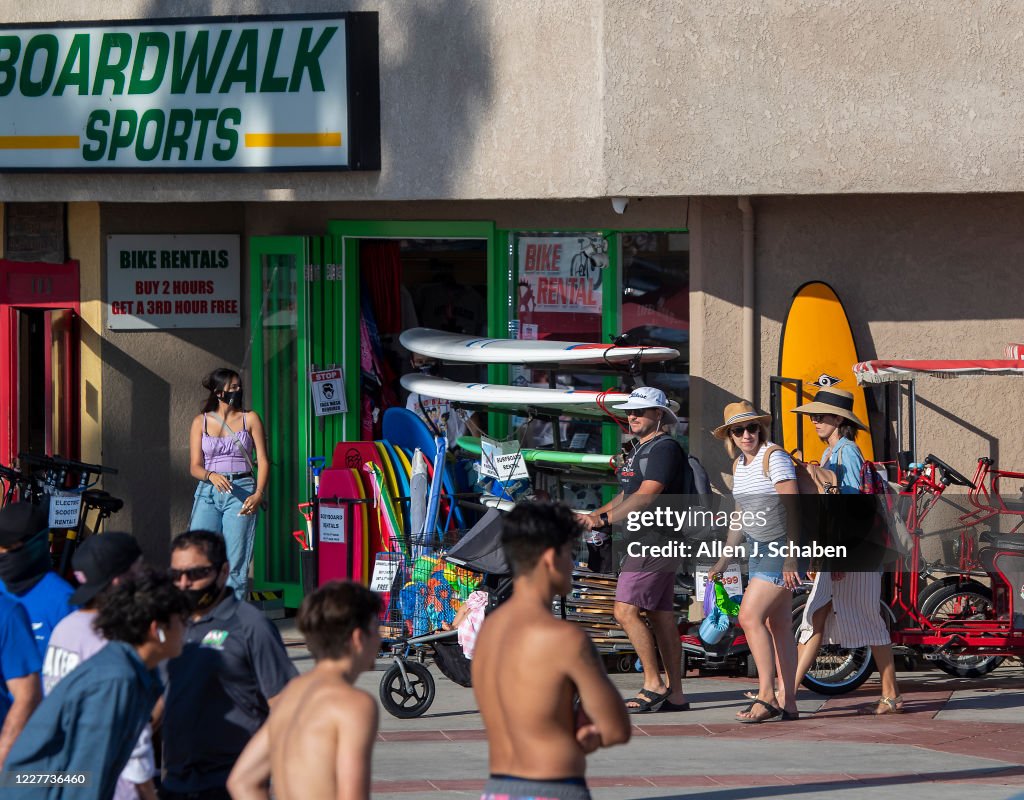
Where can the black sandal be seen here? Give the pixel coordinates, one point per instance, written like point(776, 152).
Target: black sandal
point(774, 714)
point(646, 700)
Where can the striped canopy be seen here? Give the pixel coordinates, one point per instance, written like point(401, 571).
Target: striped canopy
point(887, 371)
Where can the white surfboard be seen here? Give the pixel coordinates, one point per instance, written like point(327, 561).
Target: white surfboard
point(519, 399)
point(474, 350)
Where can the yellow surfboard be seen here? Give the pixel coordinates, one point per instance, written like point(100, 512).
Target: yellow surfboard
point(818, 349)
point(364, 528)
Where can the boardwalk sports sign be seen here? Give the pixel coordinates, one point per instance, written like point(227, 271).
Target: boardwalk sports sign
point(215, 94)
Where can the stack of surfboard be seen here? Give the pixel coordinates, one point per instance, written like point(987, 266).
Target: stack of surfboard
point(522, 400)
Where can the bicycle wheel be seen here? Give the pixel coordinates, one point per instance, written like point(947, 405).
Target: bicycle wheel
point(837, 669)
point(406, 701)
point(956, 603)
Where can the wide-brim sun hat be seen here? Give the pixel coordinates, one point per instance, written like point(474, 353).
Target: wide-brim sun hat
point(649, 397)
point(739, 413)
point(832, 401)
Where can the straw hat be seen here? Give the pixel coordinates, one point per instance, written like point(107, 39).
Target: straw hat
point(832, 401)
point(740, 413)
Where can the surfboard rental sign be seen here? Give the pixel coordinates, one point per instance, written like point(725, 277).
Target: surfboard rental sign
point(240, 93)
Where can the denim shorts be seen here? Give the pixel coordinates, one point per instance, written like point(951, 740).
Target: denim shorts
point(763, 565)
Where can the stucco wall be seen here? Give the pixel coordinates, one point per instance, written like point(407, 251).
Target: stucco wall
point(488, 99)
point(920, 277)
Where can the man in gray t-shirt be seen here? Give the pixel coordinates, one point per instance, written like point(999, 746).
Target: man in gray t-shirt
point(99, 563)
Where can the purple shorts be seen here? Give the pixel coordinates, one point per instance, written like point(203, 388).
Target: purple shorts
point(653, 591)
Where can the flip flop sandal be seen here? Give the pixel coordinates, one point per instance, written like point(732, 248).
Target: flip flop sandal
point(883, 706)
point(645, 701)
point(667, 706)
point(774, 714)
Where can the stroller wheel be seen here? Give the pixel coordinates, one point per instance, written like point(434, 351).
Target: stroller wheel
point(407, 700)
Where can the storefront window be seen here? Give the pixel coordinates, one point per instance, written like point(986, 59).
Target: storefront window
point(656, 307)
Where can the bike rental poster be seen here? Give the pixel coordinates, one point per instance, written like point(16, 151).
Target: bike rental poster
point(560, 284)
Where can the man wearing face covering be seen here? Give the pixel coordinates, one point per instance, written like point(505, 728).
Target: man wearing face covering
point(26, 570)
point(221, 687)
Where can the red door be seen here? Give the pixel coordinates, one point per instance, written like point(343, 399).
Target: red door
point(39, 407)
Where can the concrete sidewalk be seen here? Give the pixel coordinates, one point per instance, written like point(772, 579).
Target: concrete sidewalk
point(957, 737)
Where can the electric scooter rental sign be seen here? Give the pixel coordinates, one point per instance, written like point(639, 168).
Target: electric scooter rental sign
point(219, 93)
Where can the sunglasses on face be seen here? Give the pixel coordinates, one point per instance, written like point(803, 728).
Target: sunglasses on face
point(637, 412)
point(752, 427)
point(819, 417)
point(193, 573)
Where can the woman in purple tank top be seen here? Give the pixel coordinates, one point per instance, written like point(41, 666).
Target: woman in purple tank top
point(225, 444)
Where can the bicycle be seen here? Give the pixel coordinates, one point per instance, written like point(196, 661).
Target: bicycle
point(958, 623)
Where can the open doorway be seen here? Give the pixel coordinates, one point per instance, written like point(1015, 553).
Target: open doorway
point(408, 283)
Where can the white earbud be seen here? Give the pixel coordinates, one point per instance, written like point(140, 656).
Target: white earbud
point(160, 635)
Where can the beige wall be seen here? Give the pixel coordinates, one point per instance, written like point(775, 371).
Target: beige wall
point(565, 99)
point(83, 223)
point(920, 277)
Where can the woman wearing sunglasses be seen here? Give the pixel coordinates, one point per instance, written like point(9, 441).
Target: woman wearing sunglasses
point(767, 607)
point(852, 596)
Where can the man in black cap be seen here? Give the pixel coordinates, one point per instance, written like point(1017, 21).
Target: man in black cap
point(26, 570)
point(99, 563)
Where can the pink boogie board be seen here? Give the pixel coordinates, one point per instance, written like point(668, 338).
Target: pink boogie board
point(334, 546)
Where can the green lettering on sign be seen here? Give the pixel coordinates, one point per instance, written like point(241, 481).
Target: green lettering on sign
point(271, 82)
point(308, 59)
point(245, 50)
point(113, 72)
point(162, 44)
point(47, 44)
point(10, 49)
point(78, 56)
point(197, 61)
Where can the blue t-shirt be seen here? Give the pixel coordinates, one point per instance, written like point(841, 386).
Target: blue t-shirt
point(46, 603)
point(89, 723)
point(846, 460)
point(18, 655)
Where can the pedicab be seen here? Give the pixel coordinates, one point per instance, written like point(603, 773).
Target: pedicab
point(964, 617)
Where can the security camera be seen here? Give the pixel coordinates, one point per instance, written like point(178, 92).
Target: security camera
point(619, 204)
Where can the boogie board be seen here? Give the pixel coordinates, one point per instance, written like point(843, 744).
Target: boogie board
point(404, 429)
point(392, 470)
point(818, 348)
point(474, 350)
point(519, 399)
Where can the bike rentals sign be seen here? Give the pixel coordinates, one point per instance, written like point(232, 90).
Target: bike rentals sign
point(212, 94)
point(156, 282)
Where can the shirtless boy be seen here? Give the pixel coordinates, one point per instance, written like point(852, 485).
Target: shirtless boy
point(318, 739)
point(529, 667)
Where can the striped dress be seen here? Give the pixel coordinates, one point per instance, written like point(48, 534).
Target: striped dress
point(855, 620)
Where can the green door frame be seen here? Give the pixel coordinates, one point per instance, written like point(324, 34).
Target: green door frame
point(346, 234)
point(273, 541)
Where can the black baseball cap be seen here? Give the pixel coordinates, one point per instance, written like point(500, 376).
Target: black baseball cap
point(20, 521)
point(99, 560)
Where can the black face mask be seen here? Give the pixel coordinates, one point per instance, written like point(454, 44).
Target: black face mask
point(429, 368)
point(23, 568)
point(233, 399)
point(202, 599)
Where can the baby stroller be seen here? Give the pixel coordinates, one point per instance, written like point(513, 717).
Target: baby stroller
point(475, 562)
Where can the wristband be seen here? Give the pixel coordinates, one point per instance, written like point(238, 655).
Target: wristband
point(208, 474)
point(604, 518)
